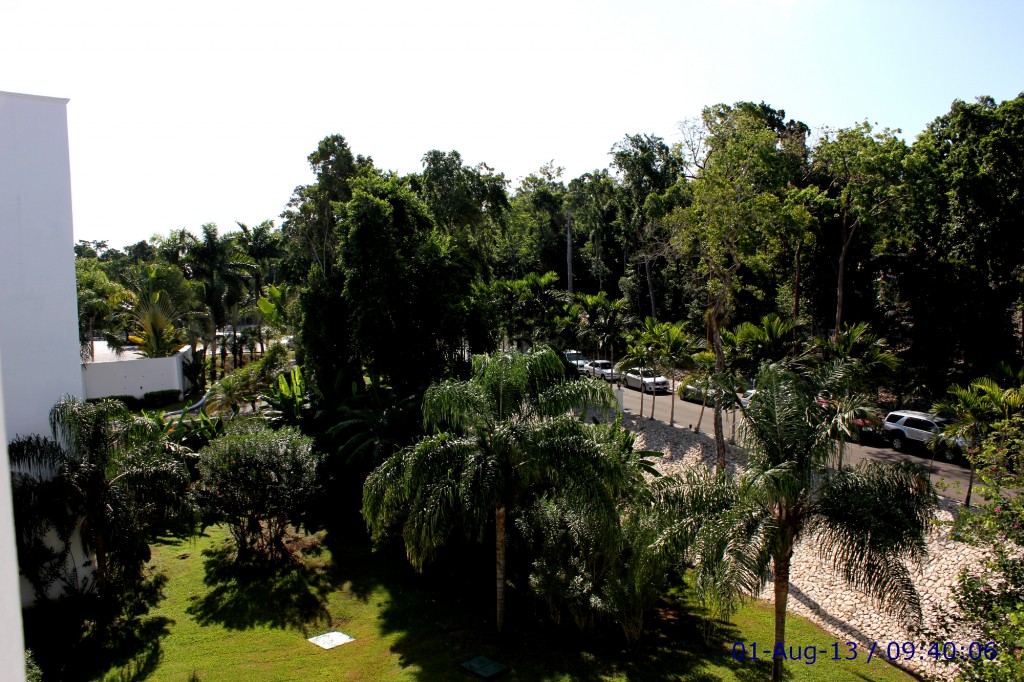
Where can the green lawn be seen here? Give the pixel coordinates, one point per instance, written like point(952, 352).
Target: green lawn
point(214, 626)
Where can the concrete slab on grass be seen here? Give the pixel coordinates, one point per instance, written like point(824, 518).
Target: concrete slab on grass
point(484, 667)
point(330, 640)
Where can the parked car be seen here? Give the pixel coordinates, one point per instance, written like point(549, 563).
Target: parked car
point(746, 396)
point(693, 392)
point(601, 369)
point(576, 358)
point(647, 380)
point(904, 427)
point(701, 392)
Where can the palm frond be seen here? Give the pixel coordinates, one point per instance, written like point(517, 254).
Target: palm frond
point(869, 521)
point(584, 394)
point(455, 405)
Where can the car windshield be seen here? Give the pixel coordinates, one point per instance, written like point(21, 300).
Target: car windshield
point(574, 357)
point(647, 374)
point(603, 364)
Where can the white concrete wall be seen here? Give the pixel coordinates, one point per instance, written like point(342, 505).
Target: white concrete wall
point(12, 644)
point(38, 308)
point(134, 377)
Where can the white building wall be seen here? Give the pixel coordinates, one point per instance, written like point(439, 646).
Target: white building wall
point(39, 360)
point(12, 645)
point(38, 306)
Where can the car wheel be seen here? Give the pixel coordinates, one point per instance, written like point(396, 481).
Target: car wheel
point(897, 442)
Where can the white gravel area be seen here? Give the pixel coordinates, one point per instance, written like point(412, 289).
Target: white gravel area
point(817, 592)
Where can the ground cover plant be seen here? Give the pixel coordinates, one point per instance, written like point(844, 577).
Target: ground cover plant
point(217, 625)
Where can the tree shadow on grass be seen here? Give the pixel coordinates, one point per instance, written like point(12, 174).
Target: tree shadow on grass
point(69, 647)
point(446, 616)
point(292, 595)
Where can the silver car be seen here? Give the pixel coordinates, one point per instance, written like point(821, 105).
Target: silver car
point(601, 369)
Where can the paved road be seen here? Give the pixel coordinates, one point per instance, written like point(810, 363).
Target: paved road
point(950, 480)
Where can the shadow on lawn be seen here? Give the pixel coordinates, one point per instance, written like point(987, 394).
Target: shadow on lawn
point(293, 595)
point(445, 616)
point(54, 631)
point(439, 631)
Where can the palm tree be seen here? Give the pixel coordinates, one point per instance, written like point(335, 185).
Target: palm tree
point(108, 474)
point(499, 438)
point(678, 347)
point(155, 330)
point(868, 520)
point(770, 341)
point(263, 246)
point(976, 411)
point(644, 350)
point(215, 261)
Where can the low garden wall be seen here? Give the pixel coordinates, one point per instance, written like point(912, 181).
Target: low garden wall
point(136, 376)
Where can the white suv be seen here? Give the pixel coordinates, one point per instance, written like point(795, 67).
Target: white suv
point(903, 427)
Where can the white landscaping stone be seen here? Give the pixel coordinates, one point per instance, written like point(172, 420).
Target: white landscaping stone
point(825, 598)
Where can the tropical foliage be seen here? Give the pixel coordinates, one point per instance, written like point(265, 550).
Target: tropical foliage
point(992, 600)
point(109, 479)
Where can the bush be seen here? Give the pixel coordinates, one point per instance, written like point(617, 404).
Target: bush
point(245, 384)
point(129, 401)
point(258, 481)
point(156, 399)
point(32, 671)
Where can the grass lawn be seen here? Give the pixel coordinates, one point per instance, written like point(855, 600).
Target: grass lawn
point(216, 625)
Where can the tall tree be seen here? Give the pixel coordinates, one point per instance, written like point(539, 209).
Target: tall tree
point(863, 170)
point(736, 194)
point(469, 203)
point(98, 300)
point(648, 168)
point(308, 221)
point(406, 286)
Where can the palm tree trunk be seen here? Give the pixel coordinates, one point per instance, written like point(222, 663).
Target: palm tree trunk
point(970, 487)
point(654, 394)
point(641, 396)
point(672, 409)
point(782, 563)
point(213, 359)
point(716, 339)
point(700, 417)
point(499, 565)
point(719, 439)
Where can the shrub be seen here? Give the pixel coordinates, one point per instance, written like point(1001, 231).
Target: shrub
point(131, 402)
point(155, 399)
point(258, 481)
point(32, 671)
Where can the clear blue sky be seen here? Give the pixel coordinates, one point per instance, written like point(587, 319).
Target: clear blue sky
point(191, 112)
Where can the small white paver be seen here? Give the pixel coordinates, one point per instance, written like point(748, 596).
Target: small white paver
point(330, 640)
